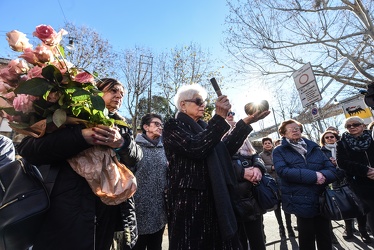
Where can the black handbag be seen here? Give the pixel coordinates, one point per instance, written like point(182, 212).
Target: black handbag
point(24, 200)
point(266, 193)
point(340, 203)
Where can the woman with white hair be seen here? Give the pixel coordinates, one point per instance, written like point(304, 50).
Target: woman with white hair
point(355, 154)
point(200, 175)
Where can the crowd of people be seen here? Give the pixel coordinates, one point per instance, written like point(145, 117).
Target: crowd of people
point(191, 176)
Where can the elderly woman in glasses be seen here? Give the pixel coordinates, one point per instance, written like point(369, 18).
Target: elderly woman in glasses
point(304, 172)
point(200, 175)
point(77, 218)
point(355, 154)
point(151, 176)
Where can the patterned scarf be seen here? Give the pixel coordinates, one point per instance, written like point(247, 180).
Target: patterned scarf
point(332, 148)
point(358, 143)
point(299, 146)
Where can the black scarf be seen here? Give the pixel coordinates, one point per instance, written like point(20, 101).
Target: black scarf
point(222, 178)
point(358, 143)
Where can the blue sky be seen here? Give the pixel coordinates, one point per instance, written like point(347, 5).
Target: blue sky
point(158, 25)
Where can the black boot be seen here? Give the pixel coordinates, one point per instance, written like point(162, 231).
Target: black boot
point(334, 240)
point(364, 235)
point(348, 232)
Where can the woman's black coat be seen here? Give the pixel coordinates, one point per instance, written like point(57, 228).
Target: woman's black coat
point(355, 164)
point(76, 214)
point(196, 158)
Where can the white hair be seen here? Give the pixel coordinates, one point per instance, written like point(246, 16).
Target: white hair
point(355, 119)
point(188, 92)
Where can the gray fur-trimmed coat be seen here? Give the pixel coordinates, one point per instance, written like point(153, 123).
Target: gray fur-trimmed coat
point(151, 178)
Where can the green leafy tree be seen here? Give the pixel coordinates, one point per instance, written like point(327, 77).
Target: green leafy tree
point(159, 106)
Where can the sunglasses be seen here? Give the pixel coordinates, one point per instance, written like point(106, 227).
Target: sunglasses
point(353, 125)
point(329, 137)
point(231, 113)
point(198, 101)
point(157, 124)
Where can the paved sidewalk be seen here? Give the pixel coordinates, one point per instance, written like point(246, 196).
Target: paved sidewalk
point(273, 240)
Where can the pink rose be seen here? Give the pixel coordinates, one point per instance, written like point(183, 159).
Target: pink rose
point(17, 40)
point(24, 103)
point(29, 56)
point(18, 67)
point(84, 77)
point(4, 87)
point(34, 72)
point(44, 53)
point(9, 96)
point(48, 35)
point(44, 32)
point(9, 76)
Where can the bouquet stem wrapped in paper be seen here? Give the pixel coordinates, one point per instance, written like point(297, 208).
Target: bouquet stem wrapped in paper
point(41, 92)
point(109, 179)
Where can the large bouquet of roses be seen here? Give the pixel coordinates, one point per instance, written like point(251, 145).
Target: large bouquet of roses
point(41, 92)
point(42, 88)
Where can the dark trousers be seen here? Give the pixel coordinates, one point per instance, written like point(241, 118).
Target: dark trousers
point(150, 241)
point(370, 215)
point(252, 231)
point(314, 229)
point(287, 216)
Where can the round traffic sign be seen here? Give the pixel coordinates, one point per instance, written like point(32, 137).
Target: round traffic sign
point(304, 78)
point(314, 111)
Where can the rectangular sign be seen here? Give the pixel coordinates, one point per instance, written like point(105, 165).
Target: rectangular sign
point(306, 85)
point(358, 108)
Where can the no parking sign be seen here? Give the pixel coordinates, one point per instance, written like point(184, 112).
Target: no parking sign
point(306, 85)
point(315, 112)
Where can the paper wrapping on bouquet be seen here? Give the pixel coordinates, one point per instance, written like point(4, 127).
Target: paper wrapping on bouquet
point(36, 130)
point(40, 128)
point(109, 179)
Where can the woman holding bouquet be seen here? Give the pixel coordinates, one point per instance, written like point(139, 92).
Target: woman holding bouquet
point(77, 218)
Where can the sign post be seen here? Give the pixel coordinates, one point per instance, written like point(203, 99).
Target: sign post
point(306, 85)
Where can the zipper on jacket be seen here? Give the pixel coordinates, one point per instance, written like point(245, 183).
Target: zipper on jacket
point(367, 157)
point(94, 235)
point(8, 203)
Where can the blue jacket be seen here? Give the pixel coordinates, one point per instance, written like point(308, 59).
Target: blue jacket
point(298, 178)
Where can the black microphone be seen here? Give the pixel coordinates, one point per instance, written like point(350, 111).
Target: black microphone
point(215, 86)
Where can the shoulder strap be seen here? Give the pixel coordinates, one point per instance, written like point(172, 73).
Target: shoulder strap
point(49, 174)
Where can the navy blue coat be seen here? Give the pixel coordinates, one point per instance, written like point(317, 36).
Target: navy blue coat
point(298, 178)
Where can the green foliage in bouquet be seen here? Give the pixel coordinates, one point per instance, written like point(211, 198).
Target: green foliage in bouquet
point(51, 89)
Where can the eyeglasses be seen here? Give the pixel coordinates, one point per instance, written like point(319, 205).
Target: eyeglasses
point(230, 113)
point(157, 124)
point(293, 129)
point(353, 125)
point(198, 101)
point(329, 137)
